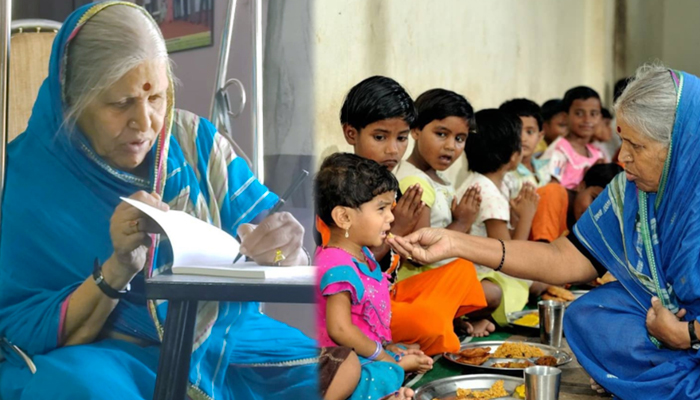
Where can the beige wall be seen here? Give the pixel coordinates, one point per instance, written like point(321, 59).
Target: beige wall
point(666, 30)
point(489, 51)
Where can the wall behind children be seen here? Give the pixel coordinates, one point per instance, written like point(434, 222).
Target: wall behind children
point(486, 50)
point(665, 30)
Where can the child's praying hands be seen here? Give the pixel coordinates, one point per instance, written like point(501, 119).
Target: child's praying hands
point(525, 205)
point(407, 211)
point(464, 213)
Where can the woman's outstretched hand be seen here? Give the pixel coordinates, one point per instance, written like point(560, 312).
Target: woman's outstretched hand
point(425, 246)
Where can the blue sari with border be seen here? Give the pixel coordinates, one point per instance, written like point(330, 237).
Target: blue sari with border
point(651, 243)
point(55, 221)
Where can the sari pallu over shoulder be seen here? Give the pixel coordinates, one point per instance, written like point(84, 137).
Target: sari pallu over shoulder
point(651, 243)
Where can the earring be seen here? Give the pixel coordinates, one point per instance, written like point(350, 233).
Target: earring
point(347, 233)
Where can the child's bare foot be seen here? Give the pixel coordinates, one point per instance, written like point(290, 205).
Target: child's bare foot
point(483, 328)
point(401, 394)
point(596, 387)
point(416, 363)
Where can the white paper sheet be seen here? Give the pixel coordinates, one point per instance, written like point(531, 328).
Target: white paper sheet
point(194, 242)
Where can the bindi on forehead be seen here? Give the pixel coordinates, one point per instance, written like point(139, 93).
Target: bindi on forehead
point(146, 86)
point(619, 130)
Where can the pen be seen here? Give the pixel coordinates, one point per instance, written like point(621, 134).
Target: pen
point(286, 196)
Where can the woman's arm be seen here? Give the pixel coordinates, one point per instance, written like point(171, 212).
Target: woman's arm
point(89, 307)
point(343, 332)
point(555, 263)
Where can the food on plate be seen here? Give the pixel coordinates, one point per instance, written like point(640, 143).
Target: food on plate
point(475, 352)
point(558, 294)
point(607, 278)
point(494, 392)
point(519, 392)
point(517, 350)
point(474, 356)
point(532, 319)
point(513, 364)
point(548, 361)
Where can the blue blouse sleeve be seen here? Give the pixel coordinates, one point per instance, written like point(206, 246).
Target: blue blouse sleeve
point(343, 278)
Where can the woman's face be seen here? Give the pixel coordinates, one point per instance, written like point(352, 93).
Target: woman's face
point(643, 158)
point(123, 122)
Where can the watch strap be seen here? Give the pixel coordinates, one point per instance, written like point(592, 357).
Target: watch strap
point(694, 341)
point(104, 286)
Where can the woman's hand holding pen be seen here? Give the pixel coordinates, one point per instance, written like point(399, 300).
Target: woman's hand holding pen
point(279, 233)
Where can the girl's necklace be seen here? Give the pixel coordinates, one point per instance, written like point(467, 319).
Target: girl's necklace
point(362, 259)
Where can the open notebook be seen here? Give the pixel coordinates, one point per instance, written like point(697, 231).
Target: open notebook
point(203, 249)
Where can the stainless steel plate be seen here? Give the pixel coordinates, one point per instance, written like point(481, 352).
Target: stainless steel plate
point(446, 388)
point(562, 357)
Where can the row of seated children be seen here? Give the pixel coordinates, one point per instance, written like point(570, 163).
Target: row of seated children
point(422, 309)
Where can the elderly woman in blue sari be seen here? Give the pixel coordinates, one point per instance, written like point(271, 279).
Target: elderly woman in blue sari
point(104, 126)
point(636, 337)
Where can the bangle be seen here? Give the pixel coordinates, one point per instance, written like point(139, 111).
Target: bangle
point(376, 353)
point(503, 258)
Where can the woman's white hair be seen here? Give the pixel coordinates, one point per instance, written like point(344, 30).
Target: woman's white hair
point(112, 43)
point(648, 104)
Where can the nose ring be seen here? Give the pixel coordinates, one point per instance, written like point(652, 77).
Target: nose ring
point(133, 125)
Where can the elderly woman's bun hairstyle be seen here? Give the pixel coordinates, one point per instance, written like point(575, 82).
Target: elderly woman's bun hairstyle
point(648, 103)
point(112, 43)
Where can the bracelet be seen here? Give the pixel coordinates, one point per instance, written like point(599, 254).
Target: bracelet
point(104, 286)
point(376, 353)
point(503, 258)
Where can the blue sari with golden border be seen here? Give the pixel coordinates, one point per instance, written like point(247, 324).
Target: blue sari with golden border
point(55, 221)
point(651, 243)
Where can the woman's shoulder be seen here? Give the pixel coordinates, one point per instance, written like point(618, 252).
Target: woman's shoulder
point(197, 137)
point(188, 125)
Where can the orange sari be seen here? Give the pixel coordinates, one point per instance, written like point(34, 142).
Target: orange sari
point(550, 220)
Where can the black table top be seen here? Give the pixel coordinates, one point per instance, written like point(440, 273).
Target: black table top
point(209, 288)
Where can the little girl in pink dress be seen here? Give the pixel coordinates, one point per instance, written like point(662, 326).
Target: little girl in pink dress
point(354, 197)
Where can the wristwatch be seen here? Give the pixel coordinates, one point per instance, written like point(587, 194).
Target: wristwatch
point(694, 341)
point(104, 286)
